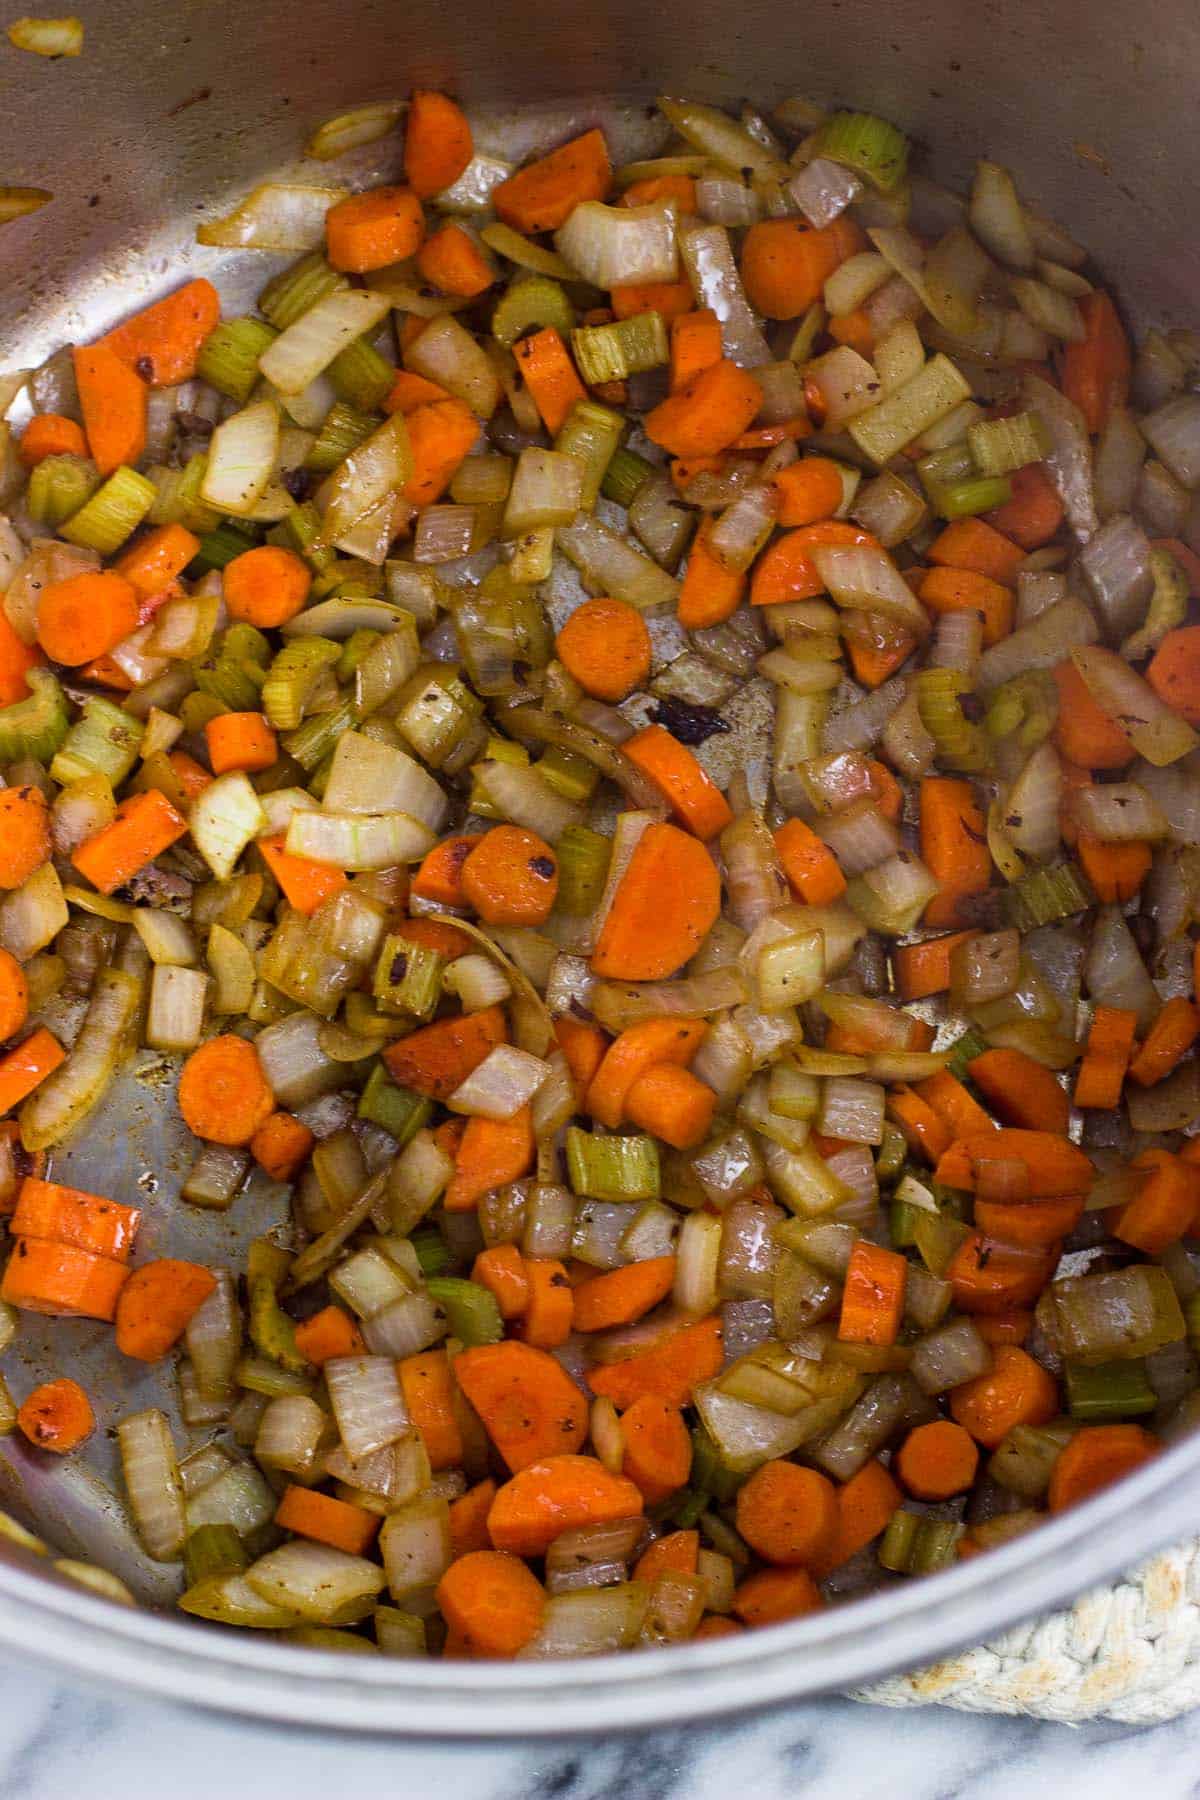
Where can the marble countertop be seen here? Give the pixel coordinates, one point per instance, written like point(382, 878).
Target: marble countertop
point(59, 1739)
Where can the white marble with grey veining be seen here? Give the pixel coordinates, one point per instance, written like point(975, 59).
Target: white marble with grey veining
point(60, 1741)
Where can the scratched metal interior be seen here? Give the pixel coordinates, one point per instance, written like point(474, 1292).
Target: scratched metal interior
point(173, 112)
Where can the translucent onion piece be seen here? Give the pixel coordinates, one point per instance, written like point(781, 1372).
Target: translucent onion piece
point(371, 474)
point(316, 1581)
point(1174, 432)
point(1051, 637)
point(847, 383)
point(358, 841)
point(996, 217)
point(65, 1098)
point(274, 216)
point(717, 135)
point(1115, 973)
point(860, 725)
point(1120, 812)
point(1156, 731)
point(368, 1405)
point(242, 457)
point(589, 1622)
point(712, 270)
point(152, 1483)
point(351, 130)
point(371, 777)
point(307, 347)
point(610, 565)
point(612, 245)
point(1117, 565)
point(860, 577)
point(1070, 459)
point(1031, 808)
point(504, 1082)
point(823, 190)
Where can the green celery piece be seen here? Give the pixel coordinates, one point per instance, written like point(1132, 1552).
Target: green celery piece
point(59, 486)
point(1043, 896)
point(964, 1050)
point(471, 1309)
point(112, 514)
point(298, 289)
point(870, 146)
point(229, 355)
point(398, 1110)
point(408, 976)
point(361, 376)
point(271, 1331)
point(433, 1256)
point(624, 347)
point(219, 547)
point(36, 726)
point(1102, 1392)
point(583, 859)
point(626, 474)
point(613, 1168)
point(213, 1550)
point(534, 304)
point(104, 740)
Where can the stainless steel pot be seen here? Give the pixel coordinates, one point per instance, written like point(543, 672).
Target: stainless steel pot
point(169, 114)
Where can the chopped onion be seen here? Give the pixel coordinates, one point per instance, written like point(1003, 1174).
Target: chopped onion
point(1069, 461)
point(66, 1096)
point(316, 1581)
point(446, 353)
point(589, 1622)
point(1117, 565)
point(1175, 791)
point(152, 1483)
point(358, 841)
point(822, 191)
point(504, 1082)
point(948, 1357)
point(1120, 812)
point(1032, 803)
point(697, 1259)
point(360, 485)
point(610, 565)
point(754, 881)
point(1119, 454)
point(274, 216)
point(890, 509)
point(852, 1110)
point(1115, 973)
point(351, 130)
point(712, 270)
point(749, 1251)
point(1170, 1105)
point(724, 200)
point(525, 797)
point(307, 347)
point(367, 776)
point(860, 838)
point(1155, 730)
point(617, 1005)
point(1174, 433)
point(242, 457)
point(997, 219)
point(368, 1405)
point(415, 1544)
point(713, 132)
point(906, 743)
point(847, 383)
point(613, 245)
point(214, 1338)
point(223, 819)
point(860, 725)
point(290, 1433)
point(1037, 591)
point(864, 578)
point(1051, 637)
point(175, 1016)
point(874, 1419)
point(404, 1328)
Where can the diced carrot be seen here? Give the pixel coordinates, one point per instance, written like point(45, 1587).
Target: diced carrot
point(785, 572)
point(24, 834)
point(1020, 1090)
point(439, 877)
point(67, 1215)
point(60, 1280)
point(873, 1295)
point(85, 615)
point(671, 1104)
point(440, 435)
point(14, 996)
point(854, 328)
point(57, 1416)
point(1096, 372)
point(1094, 1458)
point(468, 1519)
point(1055, 1165)
point(511, 877)
point(1031, 1224)
point(670, 298)
point(873, 664)
point(622, 1296)
point(1163, 1211)
point(162, 343)
point(948, 1097)
point(665, 905)
point(945, 590)
point(550, 1305)
point(974, 544)
point(638, 1048)
point(224, 1094)
point(157, 558)
point(658, 1448)
point(437, 142)
point(306, 884)
point(240, 741)
point(1033, 513)
point(606, 647)
point(408, 391)
point(543, 195)
point(562, 1493)
point(695, 345)
point(16, 660)
point(1083, 733)
point(1015, 1391)
point(788, 1514)
point(704, 416)
point(529, 1406)
point(924, 1130)
point(677, 1553)
point(493, 1152)
point(156, 1305)
point(1116, 871)
point(988, 1276)
point(370, 230)
point(953, 845)
point(501, 1270)
point(785, 264)
point(191, 777)
point(924, 969)
point(810, 866)
point(584, 1046)
point(266, 586)
point(864, 1505)
point(27, 1065)
point(684, 784)
point(439, 1057)
point(1010, 1327)
point(325, 1520)
point(280, 1145)
point(145, 825)
point(1167, 1042)
point(937, 1460)
point(1174, 672)
point(709, 592)
point(681, 189)
point(773, 1595)
point(328, 1334)
point(50, 434)
point(112, 399)
point(671, 1367)
point(550, 376)
point(428, 1388)
point(491, 1601)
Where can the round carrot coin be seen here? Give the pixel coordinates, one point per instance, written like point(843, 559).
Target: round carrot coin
point(24, 834)
point(14, 995)
point(223, 1093)
point(266, 586)
point(605, 645)
point(85, 616)
point(511, 878)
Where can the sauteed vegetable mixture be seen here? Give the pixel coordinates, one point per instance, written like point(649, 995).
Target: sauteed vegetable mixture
point(714, 1184)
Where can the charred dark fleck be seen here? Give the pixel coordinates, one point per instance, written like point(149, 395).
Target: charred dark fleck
point(399, 968)
point(145, 367)
point(972, 707)
point(194, 424)
point(296, 482)
point(690, 724)
point(543, 867)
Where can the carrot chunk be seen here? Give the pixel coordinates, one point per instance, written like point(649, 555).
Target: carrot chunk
point(57, 1416)
point(529, 1406)
point(563, 1493)
point(156, 1306)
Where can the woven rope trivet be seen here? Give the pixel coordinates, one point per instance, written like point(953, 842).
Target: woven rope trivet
point(1129, 1653)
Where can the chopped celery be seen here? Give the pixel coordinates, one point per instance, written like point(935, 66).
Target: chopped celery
point(569, 773)
point(627, 473)
point(613, 1168)
point(714, 1479)
point(967, 499)
point(436, 713)
point(354, 650)
point(408, 977)
point(177, 498)
point(247, 644)
point(229, 680)
point(361, 376)
point(213, 1550)
point(686, 1508)
point(229, 355)
point(1167, 608)
point(195, 709)
point(583, 859)
point(219, 547)
point(914, 1545)
point(58, 487)
point(591, 434)
point(36, 726)
point(999, 446)
point(272, 1333)
point(871, 147)
point(104, 740)
point(964, 1050)
point(909, 410)
point(398, 1110)
point(296, 290)
point(343, 430)
point(624, 347)
point(902, 1225)
point(960, 742)
point(1027, 705)
point(302, 529)
point(113, 513)
point(432, 1254)
point(1101, 1392)
point(889, 1158)
point(1044, 896)
point(471, 1309)
point(293, 675)
point(528, 305)
point(313, 741)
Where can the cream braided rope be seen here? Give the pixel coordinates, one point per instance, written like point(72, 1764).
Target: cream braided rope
point(1129, 1652)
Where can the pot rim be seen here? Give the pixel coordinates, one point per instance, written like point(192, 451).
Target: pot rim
point(844, 1647)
